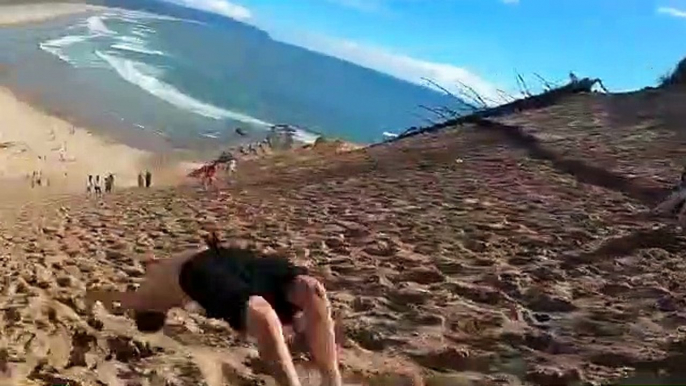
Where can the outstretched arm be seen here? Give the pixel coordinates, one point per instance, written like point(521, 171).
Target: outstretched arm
point(159, 290)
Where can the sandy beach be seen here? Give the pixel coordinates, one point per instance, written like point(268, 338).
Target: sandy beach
point(29, 13)
point(32, 140)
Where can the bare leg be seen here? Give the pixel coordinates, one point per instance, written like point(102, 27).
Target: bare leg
point(264, 325)
point(309, 295)
point(671, 202)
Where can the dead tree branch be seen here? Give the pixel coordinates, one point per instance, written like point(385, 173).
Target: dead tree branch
point(547, 85)
point(523, 88)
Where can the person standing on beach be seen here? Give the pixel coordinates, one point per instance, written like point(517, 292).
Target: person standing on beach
point(148, 178)
point(141, 180)
point(89, 184)
point(109, 182)
point(257, 295)
point(208, 175)
point(232, 167)
point(96, 186)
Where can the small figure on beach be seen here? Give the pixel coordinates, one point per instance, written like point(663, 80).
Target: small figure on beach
point(109, 183)
point(209, 175)
point(148, 178)
point(256, 294)
point(232, 167)
point(89, 184)
point(225, 157)
point(33, 179)
point(141, 180)
point(96, 186)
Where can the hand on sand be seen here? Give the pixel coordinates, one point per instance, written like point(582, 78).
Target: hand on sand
point(108, 299)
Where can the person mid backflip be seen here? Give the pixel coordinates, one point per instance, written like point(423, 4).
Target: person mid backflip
point(255, 294)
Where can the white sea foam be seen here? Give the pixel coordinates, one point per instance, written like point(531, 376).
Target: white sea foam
point(96, 25)
point(138, 32)
point(57, 46)
point(131, 39)
point(140, 74)
point(136, 48)
point(57, 52)
point(305, 136)
point(65, 41)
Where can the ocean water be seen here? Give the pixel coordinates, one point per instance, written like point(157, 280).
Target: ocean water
point(190, 83)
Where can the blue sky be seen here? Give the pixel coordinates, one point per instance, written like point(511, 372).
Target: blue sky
point(627, 43)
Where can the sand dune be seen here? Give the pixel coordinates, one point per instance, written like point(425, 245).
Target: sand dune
point(504, 252)
point(461, 257)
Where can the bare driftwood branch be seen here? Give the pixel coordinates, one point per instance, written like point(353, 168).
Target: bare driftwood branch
point(476, 96)
point(467, 100)
point(425, 119)
point(438, 86)
point(440, 112)
point(602, 86)
point(548, 86)
point(506, 97)
point(523, 88)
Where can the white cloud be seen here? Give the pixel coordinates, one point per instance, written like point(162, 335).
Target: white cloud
point(221, 7)
point(385, 5)
point(360, 5)
point(672, 12)
point(402, 66)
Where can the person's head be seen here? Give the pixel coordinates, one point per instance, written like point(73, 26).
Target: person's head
point(149, 321)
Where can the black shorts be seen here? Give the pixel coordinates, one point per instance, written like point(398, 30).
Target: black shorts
point(223, 280)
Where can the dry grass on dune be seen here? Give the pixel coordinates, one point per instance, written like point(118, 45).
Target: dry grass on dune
point(470, 256)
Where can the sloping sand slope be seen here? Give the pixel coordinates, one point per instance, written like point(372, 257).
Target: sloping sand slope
point(460, 257)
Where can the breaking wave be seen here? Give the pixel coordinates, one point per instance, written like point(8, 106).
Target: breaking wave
point(144, 76)
point(107, 40)
point(136, 48)
point(97, 26)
